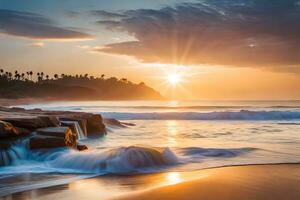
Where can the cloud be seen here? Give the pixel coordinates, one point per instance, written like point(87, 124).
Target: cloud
point(35, 26)
point(72, 14)
point(106, 14)
point(252, 33)
point(37, 44)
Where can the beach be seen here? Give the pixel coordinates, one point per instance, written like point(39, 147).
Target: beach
point(259, 182)
point(152, 150)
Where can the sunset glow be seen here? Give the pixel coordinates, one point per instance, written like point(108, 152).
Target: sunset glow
point(174, 79)
point(224, 55)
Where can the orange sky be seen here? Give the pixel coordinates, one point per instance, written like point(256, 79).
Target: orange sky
point(225, 54)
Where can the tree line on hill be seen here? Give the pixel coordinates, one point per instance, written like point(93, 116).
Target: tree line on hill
point(65, 86)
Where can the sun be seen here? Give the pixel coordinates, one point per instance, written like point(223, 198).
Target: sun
point(173, 79)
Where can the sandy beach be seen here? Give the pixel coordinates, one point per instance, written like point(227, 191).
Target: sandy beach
point(259, 182)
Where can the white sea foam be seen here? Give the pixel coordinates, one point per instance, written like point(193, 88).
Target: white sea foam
point(239, 115)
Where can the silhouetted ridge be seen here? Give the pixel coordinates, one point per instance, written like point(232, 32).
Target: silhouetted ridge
point(81, 87)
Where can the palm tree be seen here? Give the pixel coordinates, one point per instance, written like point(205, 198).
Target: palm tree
point(10, 75)
point(23, 76)
point(1, 72)
point(56, 76)
point(102, 76)
point(47, 77)
point(31, 73)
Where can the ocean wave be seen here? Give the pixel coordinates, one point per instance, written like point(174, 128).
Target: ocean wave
point(122, 160)
point(215, 152)
point(224, 115)
point(119, 160)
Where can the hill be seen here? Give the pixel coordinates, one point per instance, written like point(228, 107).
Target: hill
point(68, 87)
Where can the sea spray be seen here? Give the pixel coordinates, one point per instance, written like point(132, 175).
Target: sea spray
point(119, 160)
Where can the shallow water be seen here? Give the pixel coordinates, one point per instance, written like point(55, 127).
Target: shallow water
point(168, 136)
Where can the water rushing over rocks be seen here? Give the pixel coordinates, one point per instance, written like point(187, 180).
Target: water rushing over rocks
point(221, 136)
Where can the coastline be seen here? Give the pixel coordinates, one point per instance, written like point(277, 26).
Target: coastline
point(254, 181)
point(259, 182)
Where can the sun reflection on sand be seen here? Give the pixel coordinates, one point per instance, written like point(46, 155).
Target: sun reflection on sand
point(173, 178)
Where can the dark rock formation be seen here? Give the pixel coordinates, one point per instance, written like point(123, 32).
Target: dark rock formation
point(53, 137)
point(116, 123)
point(82, 122)
point(7, 130)
point(33, 122)
point(71, 126)
point(82, 147)
point(95, 126)
point(42, 142)
point(91, 124)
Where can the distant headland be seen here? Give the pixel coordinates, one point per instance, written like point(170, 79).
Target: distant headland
point(17, 85)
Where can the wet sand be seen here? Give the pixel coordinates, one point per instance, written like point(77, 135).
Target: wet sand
point(265, 182)
point(257, 182)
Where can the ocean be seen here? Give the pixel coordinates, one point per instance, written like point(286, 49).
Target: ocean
point(168, 136)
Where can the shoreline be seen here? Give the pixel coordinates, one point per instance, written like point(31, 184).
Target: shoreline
point(258, 182)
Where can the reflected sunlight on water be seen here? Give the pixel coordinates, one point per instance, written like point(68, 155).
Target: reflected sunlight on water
point(172, 129)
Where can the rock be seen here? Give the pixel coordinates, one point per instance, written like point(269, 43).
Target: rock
point(53, 137)
point(71, 125)
point(91, 124)
point(117, 123)
point(18, 109)
point(128, 124)
point(113, 122)
point(95, 126)
point(7, 130)
point(82, 122)
point(33, 123)
point(75, 127)
point(41, 142)
point(82, 147)
point(4, 144)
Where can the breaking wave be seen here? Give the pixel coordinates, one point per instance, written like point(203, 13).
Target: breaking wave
point(122, 160)
point(224, 115)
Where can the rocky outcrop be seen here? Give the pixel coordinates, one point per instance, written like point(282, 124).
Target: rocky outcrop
point(48, 129)
point(116, 123)
point(81, 121)
point(33, 122)
point(53, 137)
point(71, 125)
point(82, 147)
point(7, 130)
point(91, 124)
point(95, 126)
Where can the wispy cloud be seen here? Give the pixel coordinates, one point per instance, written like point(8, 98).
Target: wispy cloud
point(106, 14)
point(252, 33)
point(37, 44)
point(35, 26)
